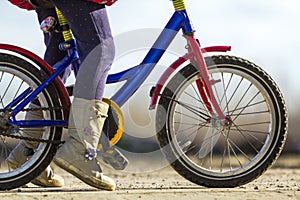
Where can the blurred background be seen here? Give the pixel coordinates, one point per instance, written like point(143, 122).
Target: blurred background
point(265, 32)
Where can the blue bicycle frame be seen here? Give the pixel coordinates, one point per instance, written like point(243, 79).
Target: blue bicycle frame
point(134, 76)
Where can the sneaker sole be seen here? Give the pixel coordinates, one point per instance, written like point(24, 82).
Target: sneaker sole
point(80, 175)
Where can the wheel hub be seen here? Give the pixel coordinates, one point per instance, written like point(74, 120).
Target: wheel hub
point(221, 124)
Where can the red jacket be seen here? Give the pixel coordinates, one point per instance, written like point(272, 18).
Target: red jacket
point(22, 4)
point(107, 2)
point(25, 5)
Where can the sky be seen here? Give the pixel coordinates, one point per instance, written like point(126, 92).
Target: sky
point(265, 32)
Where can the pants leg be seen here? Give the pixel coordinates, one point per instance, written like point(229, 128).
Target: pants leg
point(90, 26)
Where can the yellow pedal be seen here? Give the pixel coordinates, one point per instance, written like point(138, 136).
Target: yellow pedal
point(114, 123)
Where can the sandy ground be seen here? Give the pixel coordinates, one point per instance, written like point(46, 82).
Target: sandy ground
point(282, 181)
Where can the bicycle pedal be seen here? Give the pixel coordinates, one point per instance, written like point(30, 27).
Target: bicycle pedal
point(115, 158)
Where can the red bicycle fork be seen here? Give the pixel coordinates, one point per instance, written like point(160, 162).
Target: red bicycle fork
point(204, 84)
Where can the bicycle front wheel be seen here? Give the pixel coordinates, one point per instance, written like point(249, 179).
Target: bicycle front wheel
point(25, 152)
point(208, 152)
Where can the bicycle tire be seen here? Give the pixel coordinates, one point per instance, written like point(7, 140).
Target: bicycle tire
point(211, 154)
point(22, 74)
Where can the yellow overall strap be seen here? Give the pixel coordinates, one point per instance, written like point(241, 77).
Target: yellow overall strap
point(67, 33)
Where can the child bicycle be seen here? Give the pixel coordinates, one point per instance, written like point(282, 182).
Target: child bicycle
point(221, 121)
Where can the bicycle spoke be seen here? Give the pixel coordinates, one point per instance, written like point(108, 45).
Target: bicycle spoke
point(190, 108)
point(1, 100)
point(248, 106)
point(198, 100)
point(1, 77)
point(191, 117)
point(224, 153)
point(235, 154)
point(251, 113)
point(266, 134)
point(208, 143)
point(9, 84)
point(254, 123)
point(18, 90)
point(252, 99)
point(235, 90)
point(199, 126)
point(241, 131)
point(251, 131)
point(242, 97)
point(225, 89)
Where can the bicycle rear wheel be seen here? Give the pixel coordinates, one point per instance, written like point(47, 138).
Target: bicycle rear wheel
point(203, 149)
point(16, 76)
